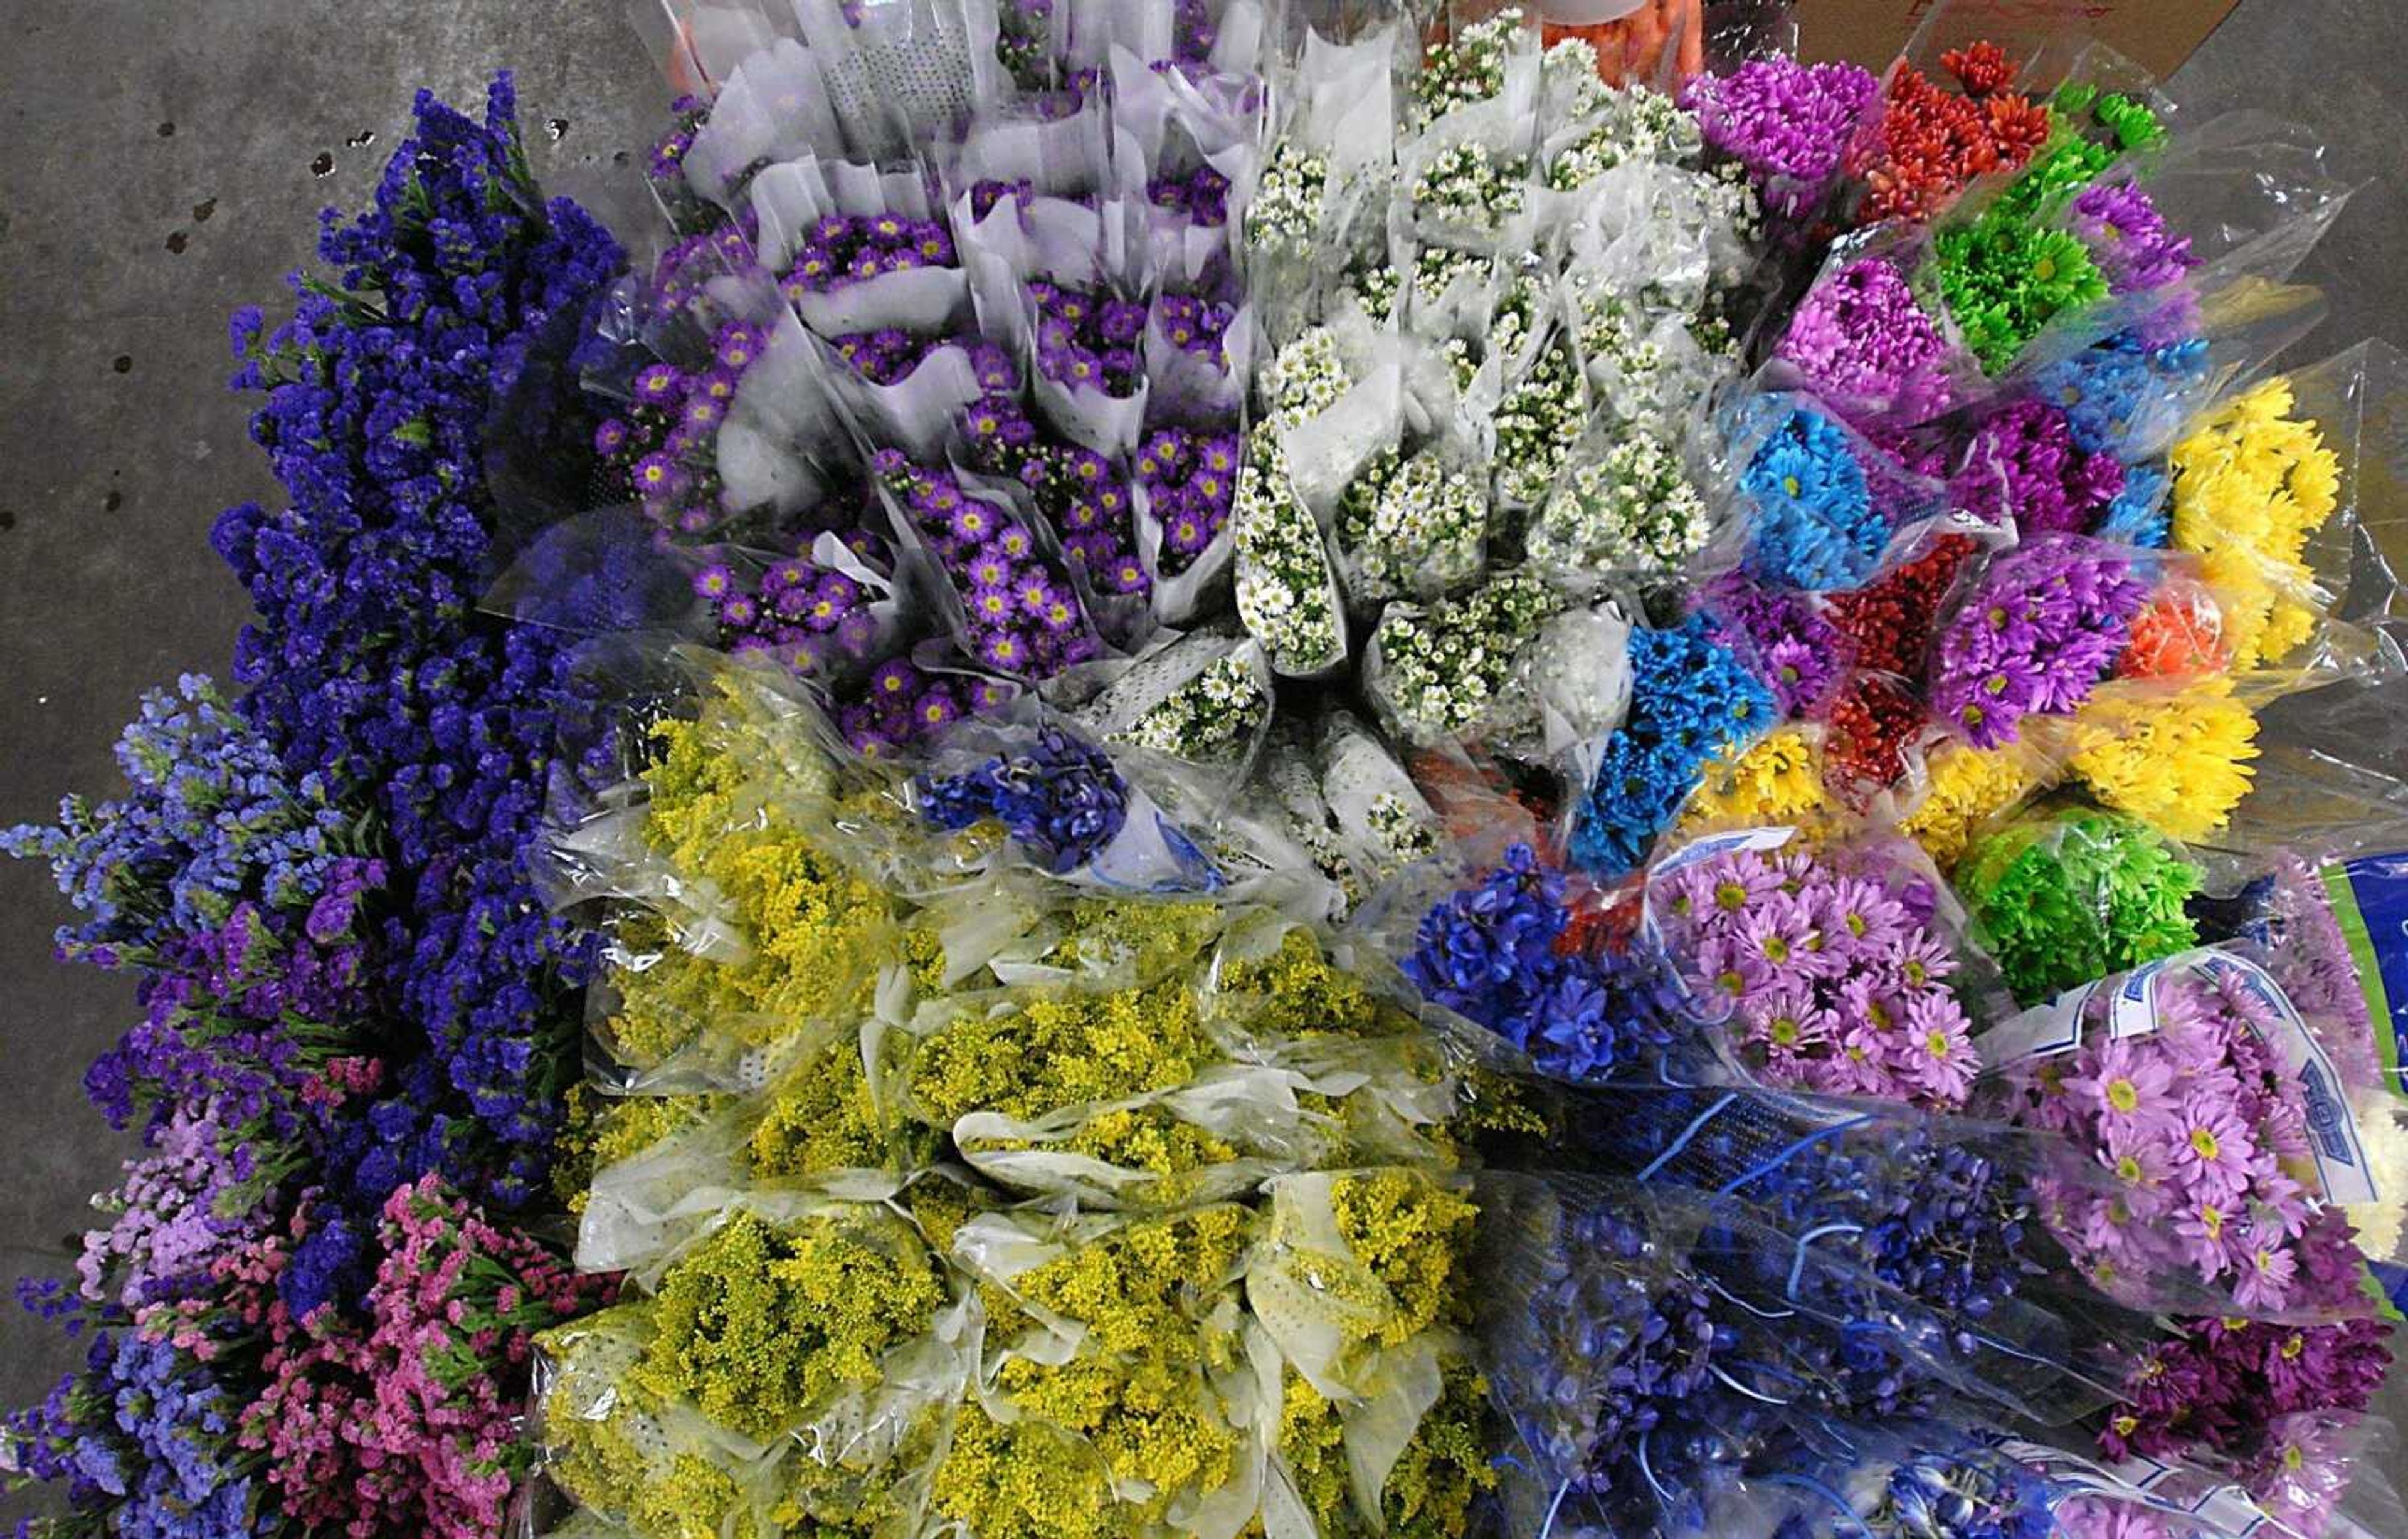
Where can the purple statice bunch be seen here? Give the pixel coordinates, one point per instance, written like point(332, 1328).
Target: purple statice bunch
point(145, 1441)
point(2043, 626)
point(1861, 342)
point(1789, 125)
point(1829, 972)
point(905, 707)
point(2200, 1125)
point(369, 662)
point(1087, 339)
point(194, 1196)
point(1060, 799)
point(1786, 640)
point(2022, 470)
point(807, 616)
point(1817, 521)
point(843, 250)
point(662, 448)
point(1022, 613)
point(1196, 324)
point(1201, 195)
point(2128, 238)
point(1191, 483)
point(211, 823)
point(1082, 493)
point(1502, 954)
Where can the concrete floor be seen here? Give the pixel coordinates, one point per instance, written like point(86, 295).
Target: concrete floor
point(165, 163)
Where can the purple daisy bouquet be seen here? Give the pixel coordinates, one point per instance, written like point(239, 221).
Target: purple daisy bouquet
point(1840, 969)
point(1864, 342)
point(2038, 629)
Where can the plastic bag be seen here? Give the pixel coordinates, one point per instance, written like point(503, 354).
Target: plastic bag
point(1203, 698)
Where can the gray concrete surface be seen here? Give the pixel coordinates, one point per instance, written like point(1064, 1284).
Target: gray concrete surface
point(161, 165)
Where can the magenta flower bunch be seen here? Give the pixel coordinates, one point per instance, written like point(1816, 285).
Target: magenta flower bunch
point(2205, 1132)
point(1862, 343)
point(2045, 624)
point(1828, 969)
point(2022, 469)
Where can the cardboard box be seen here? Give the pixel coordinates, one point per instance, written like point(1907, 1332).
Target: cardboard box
point(2157, 35)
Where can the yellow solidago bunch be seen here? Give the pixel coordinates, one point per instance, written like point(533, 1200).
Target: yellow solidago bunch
point(625, 1453)
point(1297, 990)
point(1410, 1233)
point(1431, 1487)
point(813, 931)
point(1023, 1479)
point(2180, 764)
point(1045, 1051)
point(1777, 782)
point(2252, 485)
point(761, 1324)
point(603, 1130)
point(825, 1115)
point(1968, 787)
point(1154, 1419)
point(1141, 1284)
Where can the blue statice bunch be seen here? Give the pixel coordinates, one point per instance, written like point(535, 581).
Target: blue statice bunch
point(1496, 955)
point(1060, 799)
point(1816, 525)
point(143, 1441)
point(367, 664)
point(210, 822)
point(1691, 700)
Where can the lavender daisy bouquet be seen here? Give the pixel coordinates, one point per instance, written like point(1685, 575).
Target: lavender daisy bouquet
point(2195, 1080)
point(1840, 969)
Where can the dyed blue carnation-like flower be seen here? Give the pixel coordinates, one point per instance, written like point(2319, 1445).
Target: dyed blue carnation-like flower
point(1061, 799)
point(1491, 954)
point(1815, 525)
point(1691, 700)
point(2123, 386)
point(2140, 515)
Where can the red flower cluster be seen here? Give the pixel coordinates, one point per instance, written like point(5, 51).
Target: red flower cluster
point(1891, 620)
point(1933, 141)
point(1864, 746)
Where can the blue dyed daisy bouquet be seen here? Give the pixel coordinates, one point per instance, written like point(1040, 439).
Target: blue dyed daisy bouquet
point(1223, 770)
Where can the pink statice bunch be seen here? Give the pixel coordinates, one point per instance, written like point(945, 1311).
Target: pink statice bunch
point(404, 1422)
point(1831, 969)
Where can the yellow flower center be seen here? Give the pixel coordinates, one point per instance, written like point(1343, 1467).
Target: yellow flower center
point(2123, 1095)
point(1786, 1032)
point(2211, 1218)
point(2203, 1141)
point(1776, 949)
point(1730, 897)
point(1936, 1044)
